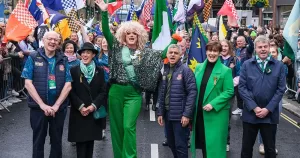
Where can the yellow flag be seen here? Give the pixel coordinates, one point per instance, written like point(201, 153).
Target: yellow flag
point(63, 29)
point(222, 29)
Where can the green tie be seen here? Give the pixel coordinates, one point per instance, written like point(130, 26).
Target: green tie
point(262, 66)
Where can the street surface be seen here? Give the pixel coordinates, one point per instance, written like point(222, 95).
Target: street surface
point(16, 136)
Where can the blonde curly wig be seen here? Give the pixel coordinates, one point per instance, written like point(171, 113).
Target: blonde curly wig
point(133, 26)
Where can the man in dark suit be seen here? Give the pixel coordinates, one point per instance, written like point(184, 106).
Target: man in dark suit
point(261, 86)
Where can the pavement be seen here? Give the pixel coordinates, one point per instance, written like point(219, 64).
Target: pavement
point(16, 136)
point(291, 106)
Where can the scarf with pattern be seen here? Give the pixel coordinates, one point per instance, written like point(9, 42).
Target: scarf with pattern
point(88, 70)
point(263, 63)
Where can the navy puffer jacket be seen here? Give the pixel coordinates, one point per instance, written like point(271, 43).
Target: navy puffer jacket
point(183, 93)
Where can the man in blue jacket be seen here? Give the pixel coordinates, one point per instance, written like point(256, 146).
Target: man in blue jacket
point(48, 82)
point(261, 86)
point(177, 98)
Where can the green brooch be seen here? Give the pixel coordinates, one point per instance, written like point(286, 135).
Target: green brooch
point(268, 70)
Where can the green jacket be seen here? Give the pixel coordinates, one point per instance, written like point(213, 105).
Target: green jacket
point(219, 91)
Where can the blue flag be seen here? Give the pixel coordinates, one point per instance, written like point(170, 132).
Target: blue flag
point(35, 10)
point(53, 4)
point(97, 30)
point(140, 9)
point(55, 17)
point(130, 12)
point(153, 8)
point(2, 8)
point(133, 11)
point(197, 52)
point(169, 11)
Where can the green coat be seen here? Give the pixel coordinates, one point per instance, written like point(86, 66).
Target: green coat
point(219, 91)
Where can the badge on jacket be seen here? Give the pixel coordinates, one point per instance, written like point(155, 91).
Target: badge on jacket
point(179, 77)
point(38, 63)
point(215, 80)
point(61, 67)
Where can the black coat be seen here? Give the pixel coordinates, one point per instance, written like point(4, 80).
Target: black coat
point(86, 128)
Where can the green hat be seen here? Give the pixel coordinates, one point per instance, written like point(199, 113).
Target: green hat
point(253, 34)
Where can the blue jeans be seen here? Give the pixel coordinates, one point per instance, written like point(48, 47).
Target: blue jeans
point(176, 137)
point(188, 132)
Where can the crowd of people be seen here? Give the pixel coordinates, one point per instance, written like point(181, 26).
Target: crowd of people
point(105, 75)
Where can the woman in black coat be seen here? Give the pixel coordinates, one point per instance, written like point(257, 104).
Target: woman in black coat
point(87, 95)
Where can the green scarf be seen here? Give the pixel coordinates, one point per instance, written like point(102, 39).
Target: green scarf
point(263, 63)
point(88, 70)
point(129, 68)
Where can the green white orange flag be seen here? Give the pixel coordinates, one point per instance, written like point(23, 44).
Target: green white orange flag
point(20, 23)
point(161, 35)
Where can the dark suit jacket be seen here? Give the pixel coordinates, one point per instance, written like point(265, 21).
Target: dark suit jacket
point(86, 128)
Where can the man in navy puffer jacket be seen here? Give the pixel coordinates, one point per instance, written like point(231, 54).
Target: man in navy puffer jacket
point(178, 93)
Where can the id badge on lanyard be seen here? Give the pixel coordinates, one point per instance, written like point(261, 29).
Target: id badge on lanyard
point(51, 79)
point(52, 82)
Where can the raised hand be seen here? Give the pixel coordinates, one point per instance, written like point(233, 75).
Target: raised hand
point(101, 4)
point(79, 24)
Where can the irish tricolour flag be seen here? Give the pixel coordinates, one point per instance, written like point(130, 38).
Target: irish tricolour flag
point(161, 35)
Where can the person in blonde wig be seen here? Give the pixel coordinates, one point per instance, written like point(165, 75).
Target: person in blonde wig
point(133, 68)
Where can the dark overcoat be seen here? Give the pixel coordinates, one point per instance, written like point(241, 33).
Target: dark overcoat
point(86, 128)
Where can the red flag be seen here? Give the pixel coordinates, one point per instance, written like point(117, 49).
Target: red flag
point(20, 23)
point(146, 13)
point(229, 10)
point(112, 7)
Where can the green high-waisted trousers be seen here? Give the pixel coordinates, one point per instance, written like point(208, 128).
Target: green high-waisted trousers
point(124, 108)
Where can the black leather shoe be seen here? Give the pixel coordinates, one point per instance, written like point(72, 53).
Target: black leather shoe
point(165, 143)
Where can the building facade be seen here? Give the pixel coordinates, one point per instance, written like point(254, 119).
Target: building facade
point(282, 11)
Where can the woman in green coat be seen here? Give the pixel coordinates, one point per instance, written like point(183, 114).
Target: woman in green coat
point(215, 89)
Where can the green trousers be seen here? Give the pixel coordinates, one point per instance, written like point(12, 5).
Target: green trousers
point(124, 108)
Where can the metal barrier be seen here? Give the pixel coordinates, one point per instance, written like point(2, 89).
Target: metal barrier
point(10, 79)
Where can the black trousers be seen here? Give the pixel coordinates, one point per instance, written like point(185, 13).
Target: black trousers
point(39, 124)
point(249, 137)
point(239, 100)
point(85, 149)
